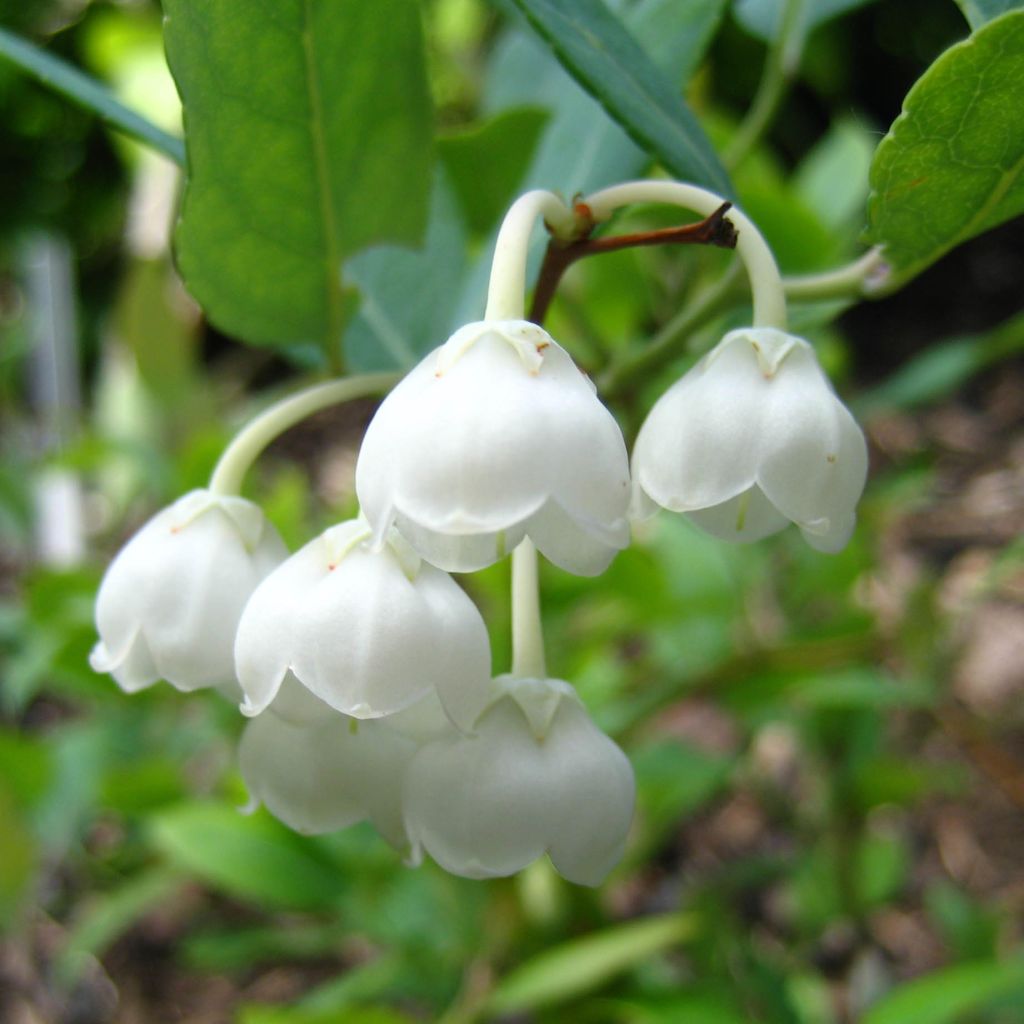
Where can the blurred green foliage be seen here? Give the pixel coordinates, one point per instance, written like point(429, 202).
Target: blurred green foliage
point(829, 814)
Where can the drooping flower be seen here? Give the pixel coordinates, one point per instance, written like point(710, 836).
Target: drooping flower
point(318, 770)
point(751, 439)
point(536, 776)
point(368, 632)
point(496, 436)
point(170, 601)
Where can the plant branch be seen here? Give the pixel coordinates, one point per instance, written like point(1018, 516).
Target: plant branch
point(560, 255)
point(88, 93)
point(780, 66)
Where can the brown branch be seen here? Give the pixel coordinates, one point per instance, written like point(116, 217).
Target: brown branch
point(560, 255)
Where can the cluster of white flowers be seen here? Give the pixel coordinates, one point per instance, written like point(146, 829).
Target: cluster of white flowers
point(366, 669)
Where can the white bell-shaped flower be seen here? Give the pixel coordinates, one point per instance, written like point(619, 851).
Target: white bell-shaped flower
point(170, 601)
point(537, 776)
point(496, 436)
point(318, 771)
point(752, 438)
point(368, 632)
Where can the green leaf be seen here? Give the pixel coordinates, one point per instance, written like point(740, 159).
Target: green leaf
point(674, 780)
point(408, 296)
point(110, 915)
point(944, 367)
point(762, 18)
point(88, 93)
point(298, 1015)
point(240, 949)
point(858, 687)
point(977, 12)
point(944, 996)
point(599, 52)
point(308, 127)
point(486, 163)
point(833, 178)
point(18, 858)
point(967, 927)
point(584, 964)
point(697, 1006)
point(582, 147)
point(950, 167)
point(25, 766)
point(251, 857)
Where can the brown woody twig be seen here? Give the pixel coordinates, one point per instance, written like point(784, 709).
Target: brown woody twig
point(560, 255)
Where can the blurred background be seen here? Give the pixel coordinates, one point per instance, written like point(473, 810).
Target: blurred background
point(829, 750)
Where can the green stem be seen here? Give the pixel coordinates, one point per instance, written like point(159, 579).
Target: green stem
point(672, 339)
point(780, 66)
point(527, 629)
point(88, 93)
point(850, 281)
point(250, 441)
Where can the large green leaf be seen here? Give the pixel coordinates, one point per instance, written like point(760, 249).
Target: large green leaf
point(308, 128)
point(252, 857)
point(977, 12)
point(584, 964)
point(946, 995)
point(487, 162)
point(950, 166)
point(598, 50)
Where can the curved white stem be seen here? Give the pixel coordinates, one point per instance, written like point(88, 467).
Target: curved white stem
point(247, 444)
point(506, 292)
point(527, 631)
point(765, 282)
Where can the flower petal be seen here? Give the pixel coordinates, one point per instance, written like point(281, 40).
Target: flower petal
point(699, 445)
point(748, 517)
point(814, 461)
point(322, 776)
point(538, 775)
point(266, 631)
point(460, 552)
point(181, 583)
point(464, 451)
point(573, 544)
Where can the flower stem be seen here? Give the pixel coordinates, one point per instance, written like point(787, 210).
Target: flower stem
point(765, 283)
point(250, 441)
point(851, 281)
point(527, 631)
point(780, 66)
point(506, 300)
point(506, 293)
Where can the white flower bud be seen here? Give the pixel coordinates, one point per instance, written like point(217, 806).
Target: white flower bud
point(170, 601)
point(496, 436)
point(753, 438)
point(319, 771)
point(368, 632)
point(536, 777)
